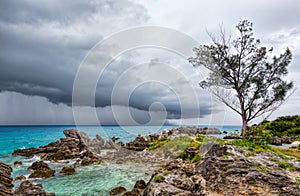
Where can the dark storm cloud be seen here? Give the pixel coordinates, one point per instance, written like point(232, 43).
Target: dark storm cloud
point(43, 42)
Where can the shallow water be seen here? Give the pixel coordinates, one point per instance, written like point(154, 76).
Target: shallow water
point(88, 180)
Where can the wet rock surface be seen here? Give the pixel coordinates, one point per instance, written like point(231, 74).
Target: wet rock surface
point(40, 170)
point(6, 184)
point(31, 188)
point(117, 191)
point(68, 170)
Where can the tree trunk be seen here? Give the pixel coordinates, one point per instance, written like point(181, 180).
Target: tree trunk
point(244, 128)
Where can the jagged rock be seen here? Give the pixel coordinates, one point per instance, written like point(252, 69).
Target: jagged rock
point(139, 144)
point(68, 170)
point(6, 184)
point(40, 170)
point(18, 163)
point(237, 175)
point(20, 178)
point(233, 136)
point(117, 191)
point(31, 188)
point(71, 147)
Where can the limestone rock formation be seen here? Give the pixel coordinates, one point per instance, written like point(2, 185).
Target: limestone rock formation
point(6, 184)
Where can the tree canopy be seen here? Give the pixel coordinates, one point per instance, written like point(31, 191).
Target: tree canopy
point(243, 74)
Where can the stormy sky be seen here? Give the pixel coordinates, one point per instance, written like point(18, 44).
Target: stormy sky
point(45, 43)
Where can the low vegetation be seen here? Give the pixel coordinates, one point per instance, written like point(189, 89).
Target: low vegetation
point(158, 143)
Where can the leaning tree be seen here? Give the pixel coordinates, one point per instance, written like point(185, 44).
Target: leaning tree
point(243, 75)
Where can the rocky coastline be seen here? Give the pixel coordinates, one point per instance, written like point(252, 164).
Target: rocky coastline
point(182, 161)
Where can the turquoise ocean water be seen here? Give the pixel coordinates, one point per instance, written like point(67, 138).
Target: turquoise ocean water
point(88, 180)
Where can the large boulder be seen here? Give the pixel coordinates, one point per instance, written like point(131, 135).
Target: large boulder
point(31, 188)
point(6, 184)
point(40, 170)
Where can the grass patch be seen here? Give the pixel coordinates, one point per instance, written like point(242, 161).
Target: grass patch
point(273, 159)
point(158, 178)
point(284, 164)
point(166, 172)
point(224, 156)
point(261, 168)
point(250, 145)
point(196, 158)
point(224, 168)
point(158, 143)
point(284, 152)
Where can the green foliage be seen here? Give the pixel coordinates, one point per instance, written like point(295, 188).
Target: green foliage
point(158, 178)
point(196, 158)
point(224, 168)
point(262, 168)
point(284, 125)
point(284, 164)
point(158, 143)
point(224, 156)
point(252, 81)
point(250, 145)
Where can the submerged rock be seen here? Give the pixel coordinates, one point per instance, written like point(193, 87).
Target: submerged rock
point(6, 184)
point(117, 191)
point(31, 188)
point(40, 170)
point(18, 163)
point(20, 178)
point(68, 170)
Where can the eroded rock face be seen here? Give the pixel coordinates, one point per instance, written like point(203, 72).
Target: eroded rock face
point(228, 172)
point(40, 170)
point(71, 147)
point(30, 188)
point(6, 184)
